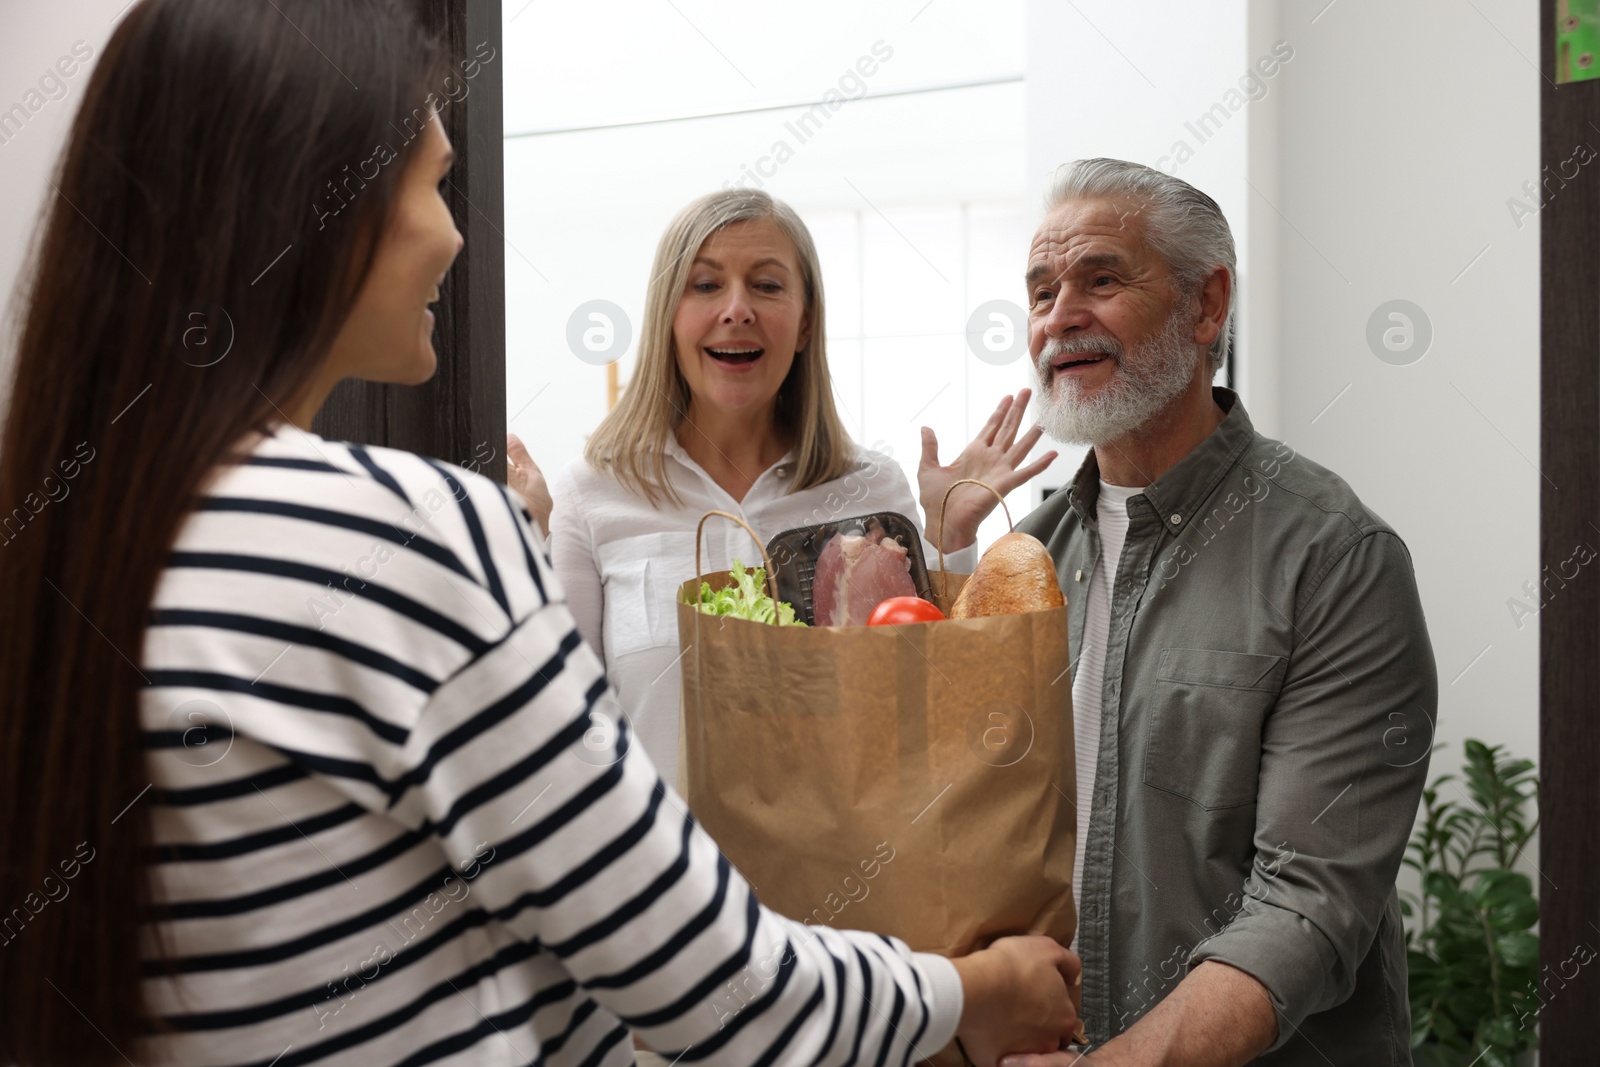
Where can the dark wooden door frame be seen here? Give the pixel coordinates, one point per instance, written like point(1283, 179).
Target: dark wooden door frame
point(459, 416)
point(1569, 625)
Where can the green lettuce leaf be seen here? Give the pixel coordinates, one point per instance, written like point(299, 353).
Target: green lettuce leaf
point(746, 599)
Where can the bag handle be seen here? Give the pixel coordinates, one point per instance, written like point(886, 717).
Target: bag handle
point(943, 581)
point(772, 578)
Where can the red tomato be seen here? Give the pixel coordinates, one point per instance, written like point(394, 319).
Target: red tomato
point(898, 610)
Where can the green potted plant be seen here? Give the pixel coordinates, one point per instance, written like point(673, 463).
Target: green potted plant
point(1474, 960)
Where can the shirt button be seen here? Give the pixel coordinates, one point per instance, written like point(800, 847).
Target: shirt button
point(1176, 519)
point(1078, 576)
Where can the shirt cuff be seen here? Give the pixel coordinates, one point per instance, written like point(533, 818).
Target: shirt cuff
point(1286, 953)
point(945, 999)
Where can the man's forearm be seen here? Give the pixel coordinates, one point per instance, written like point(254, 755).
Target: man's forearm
point(1218, 1016)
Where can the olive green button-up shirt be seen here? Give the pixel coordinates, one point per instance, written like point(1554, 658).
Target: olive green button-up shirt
point(1268, 705)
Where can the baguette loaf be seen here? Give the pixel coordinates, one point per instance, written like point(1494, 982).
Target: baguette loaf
point(1015, 576)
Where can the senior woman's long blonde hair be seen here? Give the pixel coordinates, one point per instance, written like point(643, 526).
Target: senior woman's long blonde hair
point(630, 441)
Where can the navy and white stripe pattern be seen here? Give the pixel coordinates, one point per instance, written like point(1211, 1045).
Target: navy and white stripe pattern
point(393, 825)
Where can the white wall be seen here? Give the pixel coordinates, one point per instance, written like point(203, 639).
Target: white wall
point(33, 37)
point(1377, 166)
point(1396, 177)
point(916, 201)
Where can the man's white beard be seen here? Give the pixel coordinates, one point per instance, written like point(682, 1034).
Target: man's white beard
point(1158, 372)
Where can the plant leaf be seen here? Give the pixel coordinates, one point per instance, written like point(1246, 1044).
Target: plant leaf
point(1518, 949)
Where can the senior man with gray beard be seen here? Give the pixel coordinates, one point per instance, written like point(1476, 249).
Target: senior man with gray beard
point(1247, 639)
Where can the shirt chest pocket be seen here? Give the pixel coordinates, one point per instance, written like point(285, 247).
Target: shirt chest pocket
point(1203, 739)
point(640, 578)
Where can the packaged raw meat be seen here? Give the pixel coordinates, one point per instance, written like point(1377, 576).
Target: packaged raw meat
point(835, 573)
point(856, 573)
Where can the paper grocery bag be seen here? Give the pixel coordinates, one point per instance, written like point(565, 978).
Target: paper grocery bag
point(916, 781)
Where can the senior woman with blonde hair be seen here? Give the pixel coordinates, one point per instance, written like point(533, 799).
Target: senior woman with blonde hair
point(731, 408)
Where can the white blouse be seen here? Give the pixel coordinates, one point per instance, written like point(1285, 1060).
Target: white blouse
point(621, 561)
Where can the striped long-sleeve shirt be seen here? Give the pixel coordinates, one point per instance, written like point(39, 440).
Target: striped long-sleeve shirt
point(395, 823)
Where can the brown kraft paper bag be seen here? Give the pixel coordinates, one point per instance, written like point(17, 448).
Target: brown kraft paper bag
point(915, 781)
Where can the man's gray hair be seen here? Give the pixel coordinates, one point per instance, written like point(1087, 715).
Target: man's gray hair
point(1184, 225)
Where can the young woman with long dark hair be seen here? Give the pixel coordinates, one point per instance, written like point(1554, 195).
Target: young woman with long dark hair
point(292, 732)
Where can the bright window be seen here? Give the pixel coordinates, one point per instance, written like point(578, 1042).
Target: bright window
point(912, 184)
